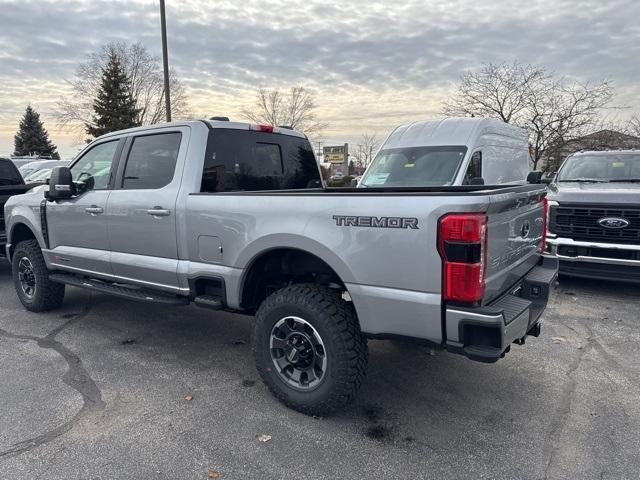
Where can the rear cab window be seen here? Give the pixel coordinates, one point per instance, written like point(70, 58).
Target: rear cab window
point(244, 160)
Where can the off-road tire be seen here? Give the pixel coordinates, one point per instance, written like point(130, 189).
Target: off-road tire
point(345, 346)
point(48, 295)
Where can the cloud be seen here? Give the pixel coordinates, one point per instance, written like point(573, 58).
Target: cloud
point(371, 64)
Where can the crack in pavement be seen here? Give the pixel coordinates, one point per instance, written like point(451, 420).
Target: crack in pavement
point(564, 409)
point(76, 377)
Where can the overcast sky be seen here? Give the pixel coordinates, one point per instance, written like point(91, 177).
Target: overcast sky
point(372, 65)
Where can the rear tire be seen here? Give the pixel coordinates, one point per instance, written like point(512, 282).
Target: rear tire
point(309, 349)
point(31, 279)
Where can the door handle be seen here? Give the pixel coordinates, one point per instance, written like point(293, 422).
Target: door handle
point(94, 210)
point(159, 212)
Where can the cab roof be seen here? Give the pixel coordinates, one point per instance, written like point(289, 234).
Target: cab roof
point(210, 124)
point(607, 152)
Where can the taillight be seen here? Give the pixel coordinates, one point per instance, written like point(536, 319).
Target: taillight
point(264, 128)
point(545, 219)
point(462, 244)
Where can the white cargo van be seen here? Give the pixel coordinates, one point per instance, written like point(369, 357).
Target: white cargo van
point(453, 151)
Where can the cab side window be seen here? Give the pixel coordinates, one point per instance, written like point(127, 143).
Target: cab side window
point(474, 170)
point(151, 162)
point(94, 167)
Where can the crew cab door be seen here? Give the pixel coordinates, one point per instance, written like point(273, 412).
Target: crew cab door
point(77, 227)
point(141, 211)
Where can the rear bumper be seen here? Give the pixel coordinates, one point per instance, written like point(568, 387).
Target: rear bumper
point(486, 333)
point(607, 261)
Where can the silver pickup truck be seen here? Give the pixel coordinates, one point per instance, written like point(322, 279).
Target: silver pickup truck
point(232, 216)
point(594, 215)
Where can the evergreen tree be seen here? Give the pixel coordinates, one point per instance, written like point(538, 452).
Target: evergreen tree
point(114, 108)
point(32, 138)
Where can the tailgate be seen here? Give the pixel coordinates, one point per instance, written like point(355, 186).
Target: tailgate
point(515, 229)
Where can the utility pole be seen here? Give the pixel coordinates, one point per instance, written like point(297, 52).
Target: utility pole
point(165, 61)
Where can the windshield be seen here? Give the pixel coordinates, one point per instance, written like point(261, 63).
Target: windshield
point(40, 175)
point(414, 167)
point(601, 168)
point(26, 170)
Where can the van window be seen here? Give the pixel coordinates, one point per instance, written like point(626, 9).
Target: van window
point(152, 161)
point(474, 170)
point(414, 167)
point(504, 164)
point(243, 160)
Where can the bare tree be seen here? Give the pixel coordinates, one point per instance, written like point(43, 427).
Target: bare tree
point(552, 110)
point(563, 111)
point(366, 149)
point(147, 86)
point(633, 126)
point(295, 108)
point(496, 90)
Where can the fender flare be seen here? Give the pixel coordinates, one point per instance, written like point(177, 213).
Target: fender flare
point(29, 220)
point(263, 245)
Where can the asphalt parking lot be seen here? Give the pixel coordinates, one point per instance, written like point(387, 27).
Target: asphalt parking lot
point(96, 391)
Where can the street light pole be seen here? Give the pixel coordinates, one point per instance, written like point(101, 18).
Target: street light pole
point(165, 61)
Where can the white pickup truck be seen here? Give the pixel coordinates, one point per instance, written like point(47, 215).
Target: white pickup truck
point(234, 216)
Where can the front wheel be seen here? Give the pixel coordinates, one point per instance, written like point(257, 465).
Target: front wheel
point(309, 349)
point(31, 279)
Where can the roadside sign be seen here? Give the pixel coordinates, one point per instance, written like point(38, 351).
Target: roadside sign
point(334, 154)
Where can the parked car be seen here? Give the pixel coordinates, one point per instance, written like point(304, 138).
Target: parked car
point(11, 183)
point(453, 151)
point(39, 175)
point(594, 215)
point(219, 214)
point(21, 161)
point(33, 167)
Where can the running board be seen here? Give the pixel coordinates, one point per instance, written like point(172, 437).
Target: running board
point(211, 302)
point(135, 294)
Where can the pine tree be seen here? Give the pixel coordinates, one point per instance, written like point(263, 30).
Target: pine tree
point(114, 108)
point(32, 138)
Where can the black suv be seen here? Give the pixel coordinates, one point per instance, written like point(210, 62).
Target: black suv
point(11, 183)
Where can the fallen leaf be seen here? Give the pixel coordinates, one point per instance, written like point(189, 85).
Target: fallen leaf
point(188, 398)
point(558, 339)
point(213, 474)
point(264, 438)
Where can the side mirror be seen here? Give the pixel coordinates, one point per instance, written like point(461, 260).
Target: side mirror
point(534, 177)
point(476, 181)
point(60, 184)
point(547, 180)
